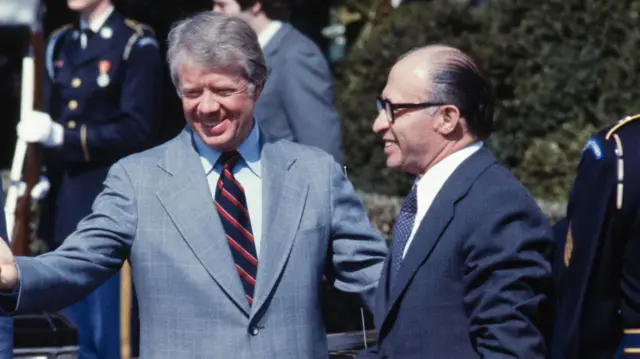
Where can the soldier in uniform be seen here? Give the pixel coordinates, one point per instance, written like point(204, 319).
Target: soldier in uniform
point(102, 96)
point(598, 292)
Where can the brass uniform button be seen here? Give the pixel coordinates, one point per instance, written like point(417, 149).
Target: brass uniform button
point(71, 124)
point(73, 104)
point(76, 82)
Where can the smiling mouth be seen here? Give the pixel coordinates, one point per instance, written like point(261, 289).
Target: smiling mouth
point(211, 123)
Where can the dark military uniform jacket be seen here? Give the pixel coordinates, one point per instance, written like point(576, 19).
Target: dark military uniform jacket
point(107, 96)
point(598, 293)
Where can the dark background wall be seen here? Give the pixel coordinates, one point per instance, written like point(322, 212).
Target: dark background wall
point(310, 16)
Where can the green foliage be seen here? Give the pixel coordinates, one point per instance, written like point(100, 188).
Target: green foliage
point(560, 68)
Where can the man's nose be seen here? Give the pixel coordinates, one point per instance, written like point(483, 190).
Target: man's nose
point(380, 124)
point(208, 104)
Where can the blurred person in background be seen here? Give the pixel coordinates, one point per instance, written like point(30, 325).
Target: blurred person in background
point(297, 101)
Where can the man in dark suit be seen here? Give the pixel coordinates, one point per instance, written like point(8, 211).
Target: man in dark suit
point(297, 101)
point(469, 264)
point(599, 265)
point(6, 322)
point(102, 94)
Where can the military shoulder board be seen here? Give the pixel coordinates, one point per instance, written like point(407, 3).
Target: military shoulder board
point(139, 27)
point(621, 123)
point(620, 157)
point(139, 36)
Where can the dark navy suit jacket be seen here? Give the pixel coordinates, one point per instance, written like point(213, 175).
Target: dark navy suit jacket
point(6, 323)
point(475, 280)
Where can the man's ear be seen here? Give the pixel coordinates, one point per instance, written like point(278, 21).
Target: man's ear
point(448, 120)
point(255, 8)
point(256, 92)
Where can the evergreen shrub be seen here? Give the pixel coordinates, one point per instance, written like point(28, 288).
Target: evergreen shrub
point(561, 69)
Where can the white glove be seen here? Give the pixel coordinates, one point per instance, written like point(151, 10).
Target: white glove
point(38, 126)
point(41, 189)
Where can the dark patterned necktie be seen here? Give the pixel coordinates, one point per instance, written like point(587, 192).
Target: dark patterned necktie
point(231, 205)
point(401, 231)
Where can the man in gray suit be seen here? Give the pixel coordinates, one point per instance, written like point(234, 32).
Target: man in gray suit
point(228, 233)
point(469, 269)
point(297, 100)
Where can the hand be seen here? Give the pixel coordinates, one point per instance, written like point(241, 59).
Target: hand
point(8, 270)
point(38, 126)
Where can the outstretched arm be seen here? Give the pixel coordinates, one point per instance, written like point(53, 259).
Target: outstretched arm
point(87, 258)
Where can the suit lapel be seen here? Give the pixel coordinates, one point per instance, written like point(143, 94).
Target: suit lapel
point(187, 199)
point(284, 195)
point(435, 222)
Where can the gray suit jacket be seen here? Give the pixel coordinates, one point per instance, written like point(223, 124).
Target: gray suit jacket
point(297, 100)
point(156, 210)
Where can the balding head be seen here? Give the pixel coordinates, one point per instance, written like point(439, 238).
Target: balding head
point(450, 76)
point(435, 102)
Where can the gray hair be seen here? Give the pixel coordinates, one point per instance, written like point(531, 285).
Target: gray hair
point(212, 40)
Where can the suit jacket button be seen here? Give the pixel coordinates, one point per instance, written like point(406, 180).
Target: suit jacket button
point(254, 331)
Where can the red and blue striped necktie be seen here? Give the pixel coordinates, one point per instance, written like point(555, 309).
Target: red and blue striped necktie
point(231, 205)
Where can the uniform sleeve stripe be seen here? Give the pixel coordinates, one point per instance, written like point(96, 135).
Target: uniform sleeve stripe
point(83, 142)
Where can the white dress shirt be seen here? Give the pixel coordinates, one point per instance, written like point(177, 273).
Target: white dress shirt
point(247, 171)
point(268, 33)
point(95, 24)
point(431, 182)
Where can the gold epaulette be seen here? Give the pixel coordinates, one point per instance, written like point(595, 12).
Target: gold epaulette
point(621, 123)
point(139, 27)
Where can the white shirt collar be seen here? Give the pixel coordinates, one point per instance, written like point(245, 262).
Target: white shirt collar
point(432, 181)
point(99, 20)
point(268, 33)
point(249, 150)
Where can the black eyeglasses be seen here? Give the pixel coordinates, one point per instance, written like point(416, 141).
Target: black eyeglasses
point(390, 107)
